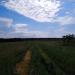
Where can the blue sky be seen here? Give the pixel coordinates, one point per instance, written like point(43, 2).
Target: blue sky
point(36, 18)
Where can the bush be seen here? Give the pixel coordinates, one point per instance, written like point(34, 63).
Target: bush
point(69, 39)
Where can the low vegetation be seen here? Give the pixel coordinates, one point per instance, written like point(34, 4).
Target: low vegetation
point(48, 57)
point(69, 40)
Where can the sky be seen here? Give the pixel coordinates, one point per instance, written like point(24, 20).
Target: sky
point(36, 18)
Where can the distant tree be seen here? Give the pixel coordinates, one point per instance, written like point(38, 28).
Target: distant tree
point(69, 39)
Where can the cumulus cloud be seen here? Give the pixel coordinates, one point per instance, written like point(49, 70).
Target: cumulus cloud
point(39, 10)
point(22, 31)
point(65, 20)
point(6, 21)
point(20, 27)
point(27, 34)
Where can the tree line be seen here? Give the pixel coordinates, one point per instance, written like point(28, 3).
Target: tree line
point(68, 39)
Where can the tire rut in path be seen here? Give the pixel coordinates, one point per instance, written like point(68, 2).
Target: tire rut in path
point(22, 68)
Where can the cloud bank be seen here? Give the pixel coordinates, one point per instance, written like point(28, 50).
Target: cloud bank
point(38, 10)
point(65, 20)
point(22, 31)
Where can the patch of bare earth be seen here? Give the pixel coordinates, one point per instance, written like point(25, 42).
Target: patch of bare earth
point(22, 68)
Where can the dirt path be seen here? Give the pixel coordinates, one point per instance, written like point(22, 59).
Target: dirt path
point(23, 67)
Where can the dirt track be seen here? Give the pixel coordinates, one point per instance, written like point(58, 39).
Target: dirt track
point(23, 67)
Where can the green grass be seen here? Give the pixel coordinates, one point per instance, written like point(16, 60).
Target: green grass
point(10, 54)
point(62, 57)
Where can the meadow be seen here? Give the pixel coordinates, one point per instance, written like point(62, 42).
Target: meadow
point(47, 57)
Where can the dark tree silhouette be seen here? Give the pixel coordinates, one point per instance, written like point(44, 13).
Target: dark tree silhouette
point(69, 39)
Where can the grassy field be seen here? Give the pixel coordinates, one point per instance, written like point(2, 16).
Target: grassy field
point(47, 57)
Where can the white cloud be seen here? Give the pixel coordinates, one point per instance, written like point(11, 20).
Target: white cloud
point(6, 21)
point(27, 34)
point(39, 10)
point(65, 20)
point(20, 28)
point(22, 31)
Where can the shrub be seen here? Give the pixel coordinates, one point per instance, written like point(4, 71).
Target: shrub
point(69, 39)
